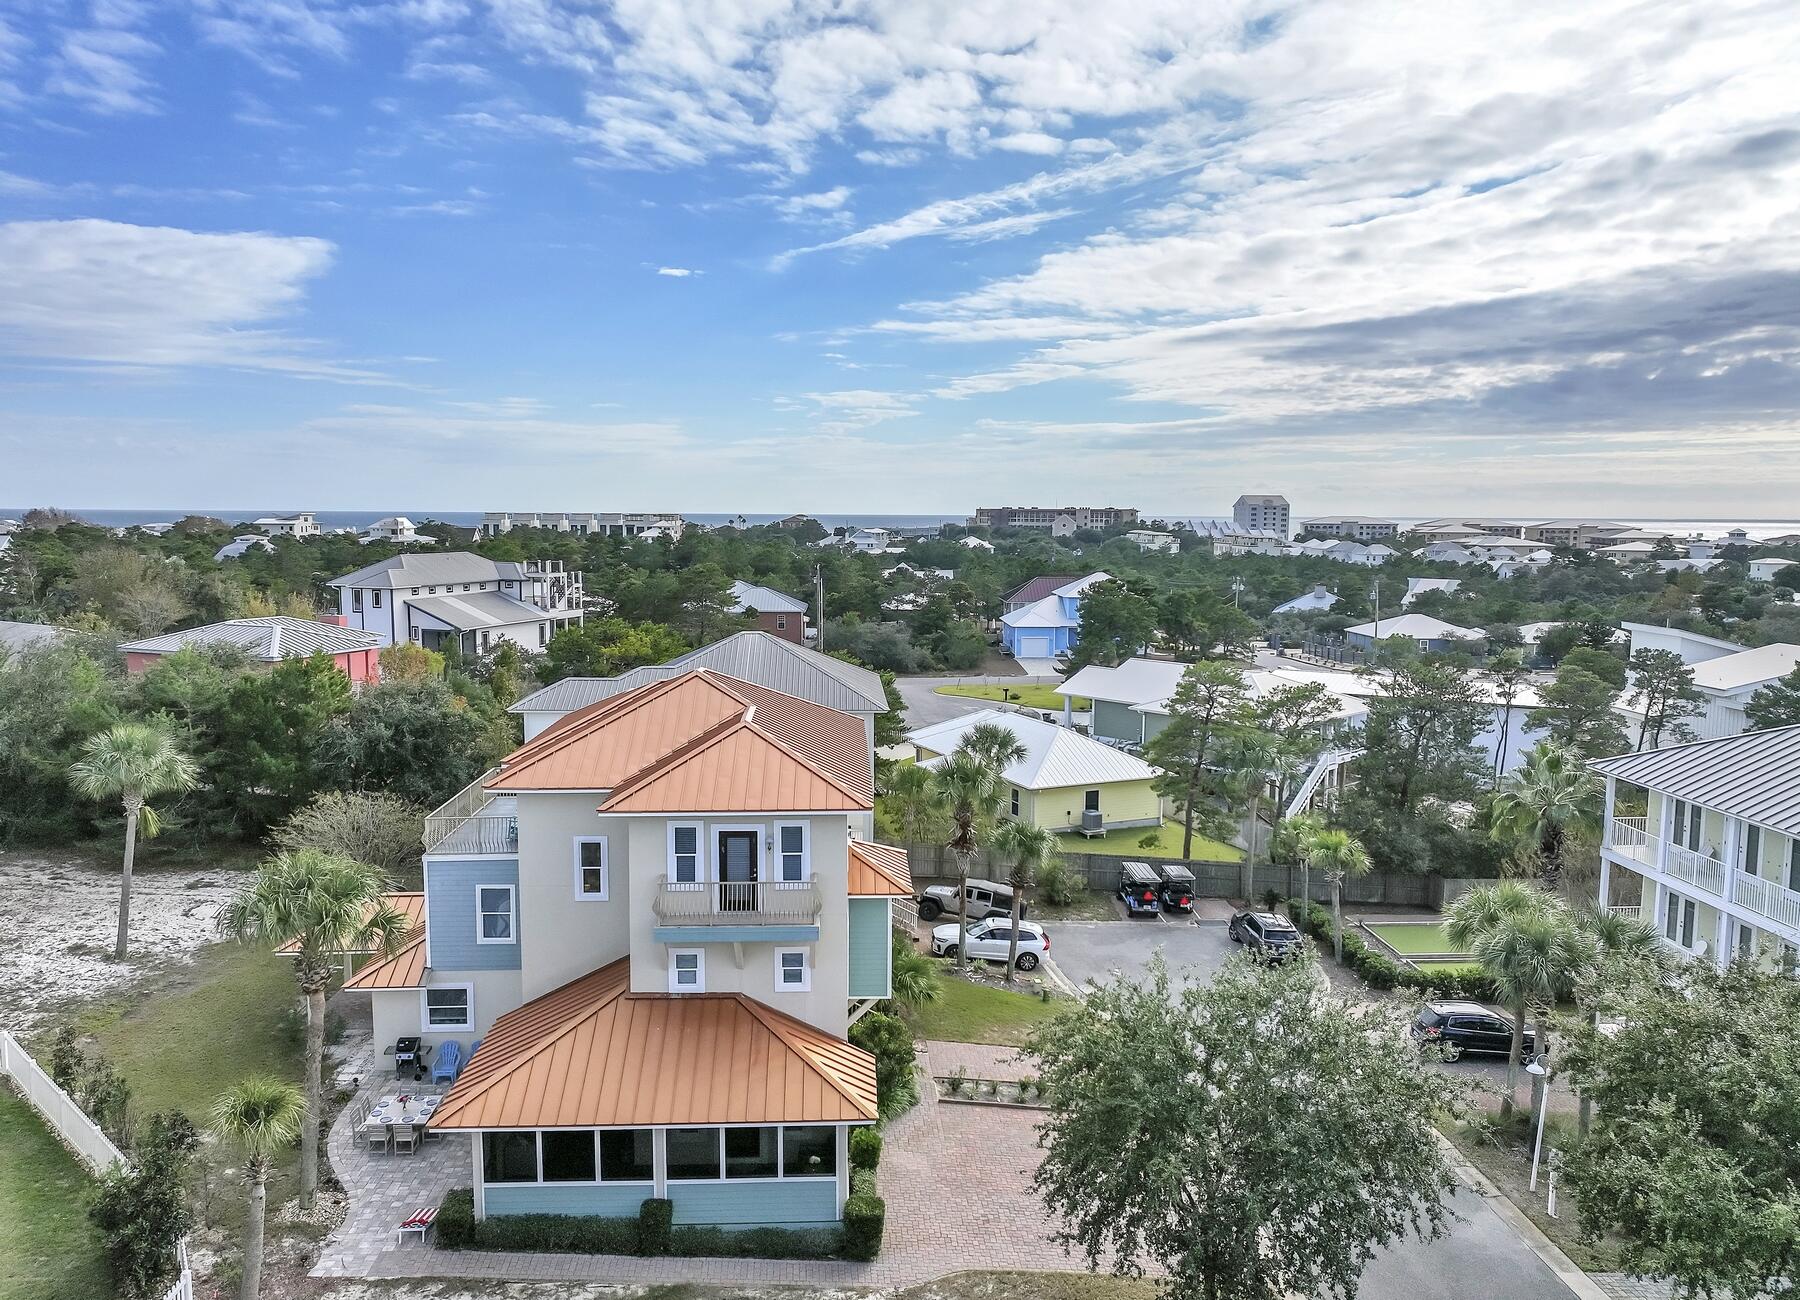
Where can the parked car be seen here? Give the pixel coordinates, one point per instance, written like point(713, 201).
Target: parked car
point(1453, 1028)
point(1266, 935)
point(991, 940)
point(1140, 889)
point(1177, 892)
point(985, 899)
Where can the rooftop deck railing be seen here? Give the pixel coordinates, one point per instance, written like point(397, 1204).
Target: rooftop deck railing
point(443, 820)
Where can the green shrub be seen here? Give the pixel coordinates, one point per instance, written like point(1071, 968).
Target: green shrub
point(1378, 970)
point(865, 1214)
point(862, 1182)
point(141, 1210)
point(890, 1042)
point(865, 1148)
point(655, 1217)
point(1058, 884)
point(456, 1219)
point(563, 1233)
point(757, 1243)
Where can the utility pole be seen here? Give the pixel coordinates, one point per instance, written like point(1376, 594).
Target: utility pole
point(819, 606)
point(1237, 589)
point(1377, 594)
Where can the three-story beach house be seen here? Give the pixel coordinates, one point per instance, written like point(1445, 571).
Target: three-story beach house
point(1702, 841)
point(463, 598)
point(659, 919)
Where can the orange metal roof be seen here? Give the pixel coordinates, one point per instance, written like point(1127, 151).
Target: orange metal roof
point(689, 729)
point(592, 1053)
point(411, 905)
point(878, 870)
point(404, 970)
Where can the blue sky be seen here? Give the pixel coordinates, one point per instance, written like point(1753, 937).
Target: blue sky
point(778, 254)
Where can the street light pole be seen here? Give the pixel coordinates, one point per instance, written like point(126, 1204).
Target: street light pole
point(1539, 1065)
point(1237, 589)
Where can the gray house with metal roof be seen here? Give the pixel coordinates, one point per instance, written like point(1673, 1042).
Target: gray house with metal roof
point(462, 598)
point(1713, 859)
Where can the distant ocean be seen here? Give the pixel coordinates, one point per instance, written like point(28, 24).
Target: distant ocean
point(470, 518)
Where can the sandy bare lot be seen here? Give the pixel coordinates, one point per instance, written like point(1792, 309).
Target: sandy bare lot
point(58, 916)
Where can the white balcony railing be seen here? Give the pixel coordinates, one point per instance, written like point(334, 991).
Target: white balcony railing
point(1629, 913)
point(1696, 869)
point(1630, 836)
point(474, 821)
point(737, 902)
point(1766, 898)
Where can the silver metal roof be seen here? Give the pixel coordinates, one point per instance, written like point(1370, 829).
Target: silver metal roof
point(272, 638)
point(430, 571)
point(765, 600)
point(1754, 776)
point(469, 610)
point(757, 657)
point(16, 636)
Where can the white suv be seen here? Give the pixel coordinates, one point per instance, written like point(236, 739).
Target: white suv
point(992, 939)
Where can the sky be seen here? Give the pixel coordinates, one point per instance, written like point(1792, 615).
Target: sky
point(911, 256)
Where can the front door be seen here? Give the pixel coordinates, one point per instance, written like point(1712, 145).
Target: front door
point(737, 871)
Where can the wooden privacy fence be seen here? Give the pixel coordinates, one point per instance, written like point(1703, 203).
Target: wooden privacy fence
point(1101, 871)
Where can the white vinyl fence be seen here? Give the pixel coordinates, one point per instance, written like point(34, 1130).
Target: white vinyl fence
point(57, 1107)
point(83, 1136)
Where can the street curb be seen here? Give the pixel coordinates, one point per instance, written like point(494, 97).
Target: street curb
point(1057, 977)
point(1567, 1271)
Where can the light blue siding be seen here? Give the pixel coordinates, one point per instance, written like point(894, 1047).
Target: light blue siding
point(736, 933)
point(798, 1203)
point(606, 1201)
point(450, 913)
point(869, 948)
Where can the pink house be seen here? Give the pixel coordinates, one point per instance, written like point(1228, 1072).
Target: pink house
point(270, 640)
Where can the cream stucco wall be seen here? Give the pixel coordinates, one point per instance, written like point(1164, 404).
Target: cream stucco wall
point(400, 1013)
point(564, 937)
point(749, 966)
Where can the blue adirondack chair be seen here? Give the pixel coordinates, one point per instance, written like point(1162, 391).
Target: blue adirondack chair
point(447, 1063)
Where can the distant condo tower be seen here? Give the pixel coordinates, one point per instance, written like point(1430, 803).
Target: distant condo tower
point(1262, 514)
point(647, 525)
point(1058, 521)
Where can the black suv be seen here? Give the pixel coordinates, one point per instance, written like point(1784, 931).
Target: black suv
point(1452, 1028)
point(1266, 935)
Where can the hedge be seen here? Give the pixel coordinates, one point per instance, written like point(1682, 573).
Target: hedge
point(653, 1233)
point(865, 1148)
point(1381, 971)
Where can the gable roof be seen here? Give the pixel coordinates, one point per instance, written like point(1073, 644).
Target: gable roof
point(751, 656)
point(1034, 590)
point(700, 742)
point(1750, 776)
point(427, 569)
point(1054, 756)
point(469, 610)
point(1747, 668)
point(267, 639)
point(764, 600)
point(1422, 627)
point(879, 871)
point(1079, 585)
point(1136, 681)
point(1047, 612)
point(594, 1054)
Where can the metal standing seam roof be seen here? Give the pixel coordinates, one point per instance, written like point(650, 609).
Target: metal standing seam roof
point(1055, 757)
point(1747, 668)
point(405, 967)
point(750, 656)
point(765, 600)
point(700, 742)
point(879, 871)
point(594, 1054)
point(1419, 626)
point(1755, 776)
point(1047, 612)
point(470, 610)
point(275, 637)
point(1034, 590)
point(1136, 681)
point(427, 570)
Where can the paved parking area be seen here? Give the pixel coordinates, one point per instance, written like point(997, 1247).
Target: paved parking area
point(1099, 950)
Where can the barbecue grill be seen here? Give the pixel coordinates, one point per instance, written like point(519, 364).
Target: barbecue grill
point(408, 1055)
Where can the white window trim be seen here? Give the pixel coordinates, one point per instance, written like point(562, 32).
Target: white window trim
point(605, 869)
point(805, 984)
point(699, 955)
point(512, 912)
point(805, 853)
point(425, 1025)
point(781, 622)
point(699, 829)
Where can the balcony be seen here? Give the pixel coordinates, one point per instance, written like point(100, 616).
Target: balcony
point(1767, 898)
point(474, 822)
point(736, 904)
point(1628, 837)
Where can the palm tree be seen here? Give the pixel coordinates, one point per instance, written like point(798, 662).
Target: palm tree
point(1536, 810)
point(915, 979)
point(132, 762)
point(1288, 843)
point(1027, 848)
point(1249, 761)
point(258, 1116)
point(1338, 854)
point(915, 802)
point(329, 908)
point(1529, 946)
point(970, 781)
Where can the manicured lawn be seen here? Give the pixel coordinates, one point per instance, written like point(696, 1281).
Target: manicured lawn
point(979, 1013)
point(1032, 696)
point(50, 1252)
point(1414, 938)
point(1125, 844)
point(1446, 967)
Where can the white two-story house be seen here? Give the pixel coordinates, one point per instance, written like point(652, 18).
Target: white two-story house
point(658, 919)
point(1703, 842)
point(463, 598)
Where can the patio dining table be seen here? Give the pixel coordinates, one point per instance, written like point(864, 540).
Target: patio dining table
point(403, 1108)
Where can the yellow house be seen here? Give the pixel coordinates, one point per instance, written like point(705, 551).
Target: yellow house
point(1065, 781)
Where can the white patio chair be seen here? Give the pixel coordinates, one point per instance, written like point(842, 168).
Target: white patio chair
point(375, 1137)
point(406, 1139)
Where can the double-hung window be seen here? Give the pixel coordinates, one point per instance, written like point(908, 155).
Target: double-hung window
point(590, 868)
point(449, 1007)
point(687, 970)
point(793, 970)
point(684, 854)
point(356, 600)
point(793, 862)
point(496, 919)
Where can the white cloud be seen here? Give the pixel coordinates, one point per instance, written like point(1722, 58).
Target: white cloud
point(100, 69)
point(676, 272)
point(101, 292)
point(848, 410)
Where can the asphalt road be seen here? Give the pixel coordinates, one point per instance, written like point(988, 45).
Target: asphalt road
point(926, 708)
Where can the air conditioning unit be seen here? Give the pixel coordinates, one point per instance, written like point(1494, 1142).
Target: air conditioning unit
point(1090, 822)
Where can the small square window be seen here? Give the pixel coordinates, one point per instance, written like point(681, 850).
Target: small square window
point(569, 1156)
point(793, 972)
point(687, 970)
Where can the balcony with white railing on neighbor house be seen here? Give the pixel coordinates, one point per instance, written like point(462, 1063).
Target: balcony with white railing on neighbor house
point(1629, 837)
point(474, 822)
point(1767, 898)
